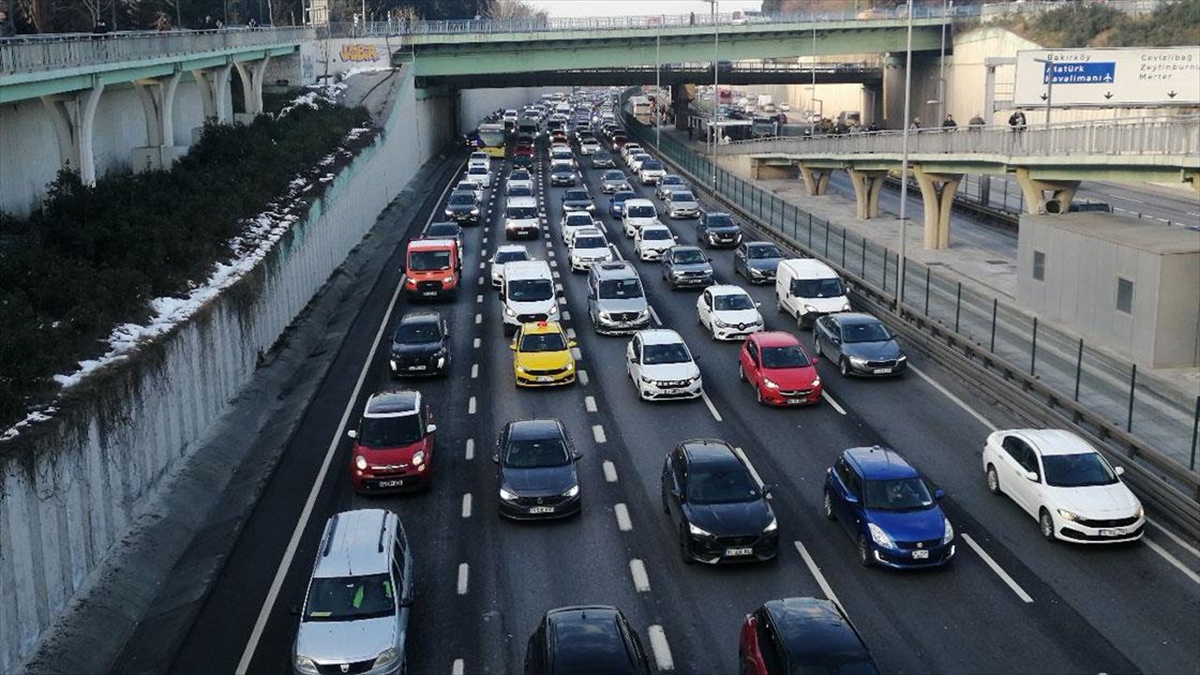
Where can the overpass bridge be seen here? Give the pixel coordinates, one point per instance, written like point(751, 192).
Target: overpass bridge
point(674, 74)
point(1052, 159)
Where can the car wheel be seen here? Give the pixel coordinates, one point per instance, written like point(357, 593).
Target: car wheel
point(864, 551)
point(993, 481)
point(778, 305)
point(683, 547)
point(663, 496)
point(1046, 524)
point(827, 506)
point(844, 367)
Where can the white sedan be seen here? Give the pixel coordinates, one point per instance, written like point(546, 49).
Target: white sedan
point(506, 253)
point(728, 312)
point(587, 247)
point(574, 221)
point(661, 366)
point(479, 174)
point(651, 241)
point(1068, 487)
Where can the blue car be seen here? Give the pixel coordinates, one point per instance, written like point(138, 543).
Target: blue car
point(887, 508)
point(616, 203)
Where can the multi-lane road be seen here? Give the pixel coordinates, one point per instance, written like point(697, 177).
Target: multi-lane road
point(1010, 602)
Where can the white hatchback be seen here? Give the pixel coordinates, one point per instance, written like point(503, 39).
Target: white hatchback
point(661, 366)
point(728, 312)
point(652, 241)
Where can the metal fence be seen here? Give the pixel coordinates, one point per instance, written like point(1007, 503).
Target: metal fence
point(1063, 362)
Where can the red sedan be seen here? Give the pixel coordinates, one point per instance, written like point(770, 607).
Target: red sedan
point(778, 368)
point(393, 449)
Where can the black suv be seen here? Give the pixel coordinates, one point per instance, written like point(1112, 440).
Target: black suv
point(421, 345)
point(718, 229)
point(585, 639)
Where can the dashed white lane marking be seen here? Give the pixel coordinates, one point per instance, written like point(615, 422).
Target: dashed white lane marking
point(746, 460)
point(598, 433)
point(476, 343)
point(829, 399)
point(558, 288)
point(466, 507)
point(610, 471)
point(946, 392)
point(479, 281)
point(711, 408)
point(1016, 588)
point(1173, 560)
point(570, 333)
point(1175, 538)
point(583, 377)
point(463, 573)
point(478, 319)
point(458, 668)
point(482, 264)
point(470, 451)
point(474, 371)
point(576, 354)
point(554, 263)
point(589, 402)
point(471, 406)
point(550, 253)
point(479, 298)
point(562, 301)
point(566, 316)
point(654, 315)
point(623, 521)
point(641, 580)
point(816, 572)
point(658, 645)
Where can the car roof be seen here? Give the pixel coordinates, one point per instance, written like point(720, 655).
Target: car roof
point(659, 336)
point(683, 247)
point(877, 463)
point(756, 244)
point(394, 403)
point(443, 224)
point(528, 269)
point(587, 639)
point(433, 244)
point(853, 318)
point(524, 430)
point(615, 269)
point(708, 451)
point(541, 328)
point(808, 268)
point(727, 289)
point(356, 543)
point(775, 338)
point(1055, 441)
point(813, 627)
point(520, 201)
point(638, 202)
point(427, 316)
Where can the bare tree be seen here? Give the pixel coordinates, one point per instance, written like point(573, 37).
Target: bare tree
point(508, 9)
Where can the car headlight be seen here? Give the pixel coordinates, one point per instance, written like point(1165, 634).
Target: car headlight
point(1069, 515)
point(418, 458)
point(771, 526)
point(571, 492)
point(880, 537)
point(475, 211)
point(509, 311)
point(698, 532)
point(553, 309)
point(1140, 512)
point(809, 308)
point(360, 462)
point(507, 496)
point(769, 384)
point(949, 536)
point(447, 279)
point(305, 665)
point(846, 307)
point(858, 361)
point(519, 368)
point(901, 359)
point(591, 207)
point(694, 378)
point(816, 382)
point(647, 380)
point(449, 213)
point(385, 657)
point(719, 323)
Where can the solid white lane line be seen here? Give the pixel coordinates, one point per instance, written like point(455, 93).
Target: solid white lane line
point(583, 377)
point(623, 521)
point(641, 580)
point(829, 399)
point(598, 433)
point(478, 319)
point(474, 371)
point(610, 471)
point(1172, 559)
point(466, 507)
point(1175, 538)
point(471, 406)
point(746, 460)
point(589, 402)
point(816, 572)
point(476, 343)
point(1016, 588)
point(711, 408)
point(658, 645)
point(654, 315)
point(463, 574)
point(946, 392)
point(458, 668)
point(470, 451)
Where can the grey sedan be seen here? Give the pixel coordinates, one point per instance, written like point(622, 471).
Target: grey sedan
point(860, 344)
point(757, 261)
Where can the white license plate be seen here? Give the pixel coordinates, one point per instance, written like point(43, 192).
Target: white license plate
point(541, 509)
point(795, 400)
point(739, 551)
point(429, 293)
point(417, 367)
point(882, 371)
point(1112, 533)
point(544, 378)
point(920, 555)
point(391, 483)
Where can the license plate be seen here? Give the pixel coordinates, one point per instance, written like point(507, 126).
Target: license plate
point(541, 509)
point(795, 400)
point(920, 555)
point(391, 483)
point(882, 371)
point(1112, 533)
point(739, 551)
point(543, 378)
point(429, 293)
point(417, 367)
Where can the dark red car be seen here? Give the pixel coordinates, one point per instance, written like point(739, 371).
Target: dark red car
point(802, 635)
point(779, 369)
point(393, 444)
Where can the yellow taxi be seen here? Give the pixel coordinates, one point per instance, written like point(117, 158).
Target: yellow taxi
point(542, 355)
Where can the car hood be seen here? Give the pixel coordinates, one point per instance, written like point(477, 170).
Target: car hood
point(543, 360)
point(416, 349)
point(640, 221)
point(577, 202)
point(532, 306)
point(763, 263)
point(739, 316)
point(873, 351)
point(542, 481)
point(677, 203)
point(459, 208)
point(621, 304)
point(671, 371)
point(1096, 501)
point(562, 171)
point(658, 244)
point(910, 525)
point(825, 305)
point(351, 641)
point(692, 267)
point(737, 519)
point(590, 253)
point(724, 229)
point(395, 454)
point(791, 378)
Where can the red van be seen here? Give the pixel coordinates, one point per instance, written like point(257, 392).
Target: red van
point(393, 444)
point(431, 269)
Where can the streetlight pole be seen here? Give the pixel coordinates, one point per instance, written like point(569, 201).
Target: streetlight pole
point(942, 67)
point(657, 89)
point(716, 91)
point(904, 164)
point(812, 125)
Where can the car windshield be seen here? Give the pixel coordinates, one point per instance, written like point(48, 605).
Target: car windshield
point(688, 257)
point(652, 165)
point(622, 196)
point(350, 598)
point(828, 667)
point(671, 352)
point(641, 211)
point(418, 332)
point(897, 494)
point(563, 155)
point(576, 195)
point(620, 288)
point(732, 302)
point(817, 288)
point(681, 196)
point(865, 332)
point(721, 485)
point(671, 180)
point(536, 453)
point(428, 261)
point(790, 356)
point(520, 191)
point(389, 432)
point(543, 342)
point(602, 156)
point(762, 252)
point(655, 233)
point(614, 175)
point(718, 220)
point(462, 199)
point(530, 290)
point(521, 212)
point(510, 256)
point(520, 174)
point(441, 231)
point(466, 186)
point(589, 241)
point(1079, 470)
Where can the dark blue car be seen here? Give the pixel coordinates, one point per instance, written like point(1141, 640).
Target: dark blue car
point(888, 509)
point(616, 203)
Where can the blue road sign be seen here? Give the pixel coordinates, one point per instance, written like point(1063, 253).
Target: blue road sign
point(1102, 72)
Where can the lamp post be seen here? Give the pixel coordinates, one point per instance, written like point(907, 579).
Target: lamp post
point(904, 163)
point(716, 91)
point(1049, 77)
point(812, 125)
point(657, 89)
point(942, 66)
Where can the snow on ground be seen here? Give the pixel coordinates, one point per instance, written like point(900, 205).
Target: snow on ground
point(247, 250)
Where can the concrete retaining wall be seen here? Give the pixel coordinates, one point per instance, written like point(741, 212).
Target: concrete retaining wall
point(70, 487)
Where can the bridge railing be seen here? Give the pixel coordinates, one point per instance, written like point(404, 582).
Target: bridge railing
point(36, 53)
point(1172, 136)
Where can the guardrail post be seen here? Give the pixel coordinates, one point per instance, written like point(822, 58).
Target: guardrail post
point(864, 258)
point(810, 231)
point(843, 248)
point(1033, 349)
point(1078, 369)
point(927, 271)
point(958, 307)
point(1132, 386)
point(825, 251)
point(1195, 434)
point(885, 274)
point(995, 307)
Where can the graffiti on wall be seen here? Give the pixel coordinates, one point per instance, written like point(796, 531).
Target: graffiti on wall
point(354, 52)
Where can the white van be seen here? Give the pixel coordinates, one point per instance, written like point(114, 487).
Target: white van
point(808, 289)
point(520, 217)
point(527, 294)
point(638, 212)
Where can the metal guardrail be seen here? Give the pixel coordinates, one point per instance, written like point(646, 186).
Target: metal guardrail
point(989, 343)
point(40, 53)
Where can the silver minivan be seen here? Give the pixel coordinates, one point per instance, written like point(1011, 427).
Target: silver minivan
point(355, 614)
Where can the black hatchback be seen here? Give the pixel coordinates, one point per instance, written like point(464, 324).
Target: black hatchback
point(585, 640)
point(537, 471)
point(420, 345)
point(802, 635)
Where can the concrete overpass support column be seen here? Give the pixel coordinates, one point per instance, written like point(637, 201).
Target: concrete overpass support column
point(158, 105)
point(213, 92)
point(937, 196)
point(867, 185)
point(680, 98)
point(252, 81)
point(815, 180)
point(1061, 193)
point(73, 118)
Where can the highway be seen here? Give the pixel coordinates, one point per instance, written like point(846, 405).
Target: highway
point(1009, 602)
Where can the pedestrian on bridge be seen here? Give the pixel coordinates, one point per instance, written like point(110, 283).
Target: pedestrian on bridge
point(915, 125)
point(949, 122)
point(162, 24)
point(6, 23)
point(1017, 121)
point(976, 123)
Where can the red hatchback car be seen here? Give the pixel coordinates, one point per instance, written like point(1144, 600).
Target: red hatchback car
point(393, 444)
point(778, 368)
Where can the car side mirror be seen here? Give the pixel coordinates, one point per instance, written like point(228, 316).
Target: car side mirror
point(708, 260)
point(851, 498)
point(938, 493)
point(676, 494)
point(757, 304)
point(430, 428)
point(1119, 470)
point(512, 346)
point(591, 295)
point(571, 343)
point(352, 433)
point(767, 488)
point(496, 458)
point(1032, 476)
point(402, 269)
point(835, 339)
point(502, 296)
point(578, 455)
